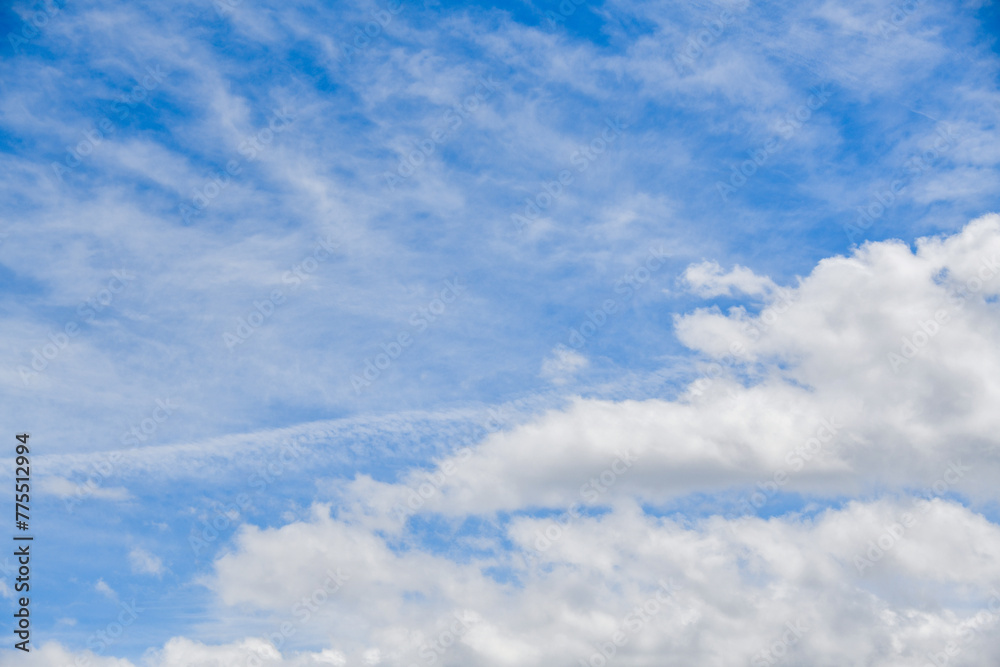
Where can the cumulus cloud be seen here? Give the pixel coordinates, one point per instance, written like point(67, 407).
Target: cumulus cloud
point(818, 463)
point(875, 374)
point(902, 577)
point(53, 654)
point(874, 378)
point(805, 396)
point(708, 279)
point(878, 369)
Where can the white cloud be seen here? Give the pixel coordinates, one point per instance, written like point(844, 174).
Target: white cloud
point(828, 412)
point(102, 587)
point(52, 654)
point(707, 279)
point(329, 657)
point(143, 562)
point(900, 577)
point(896, 347)
point(182, 652)
point(64, 488)
point(858, 343)
point(562, 365)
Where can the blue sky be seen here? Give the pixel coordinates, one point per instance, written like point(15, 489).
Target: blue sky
point(399, 230)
